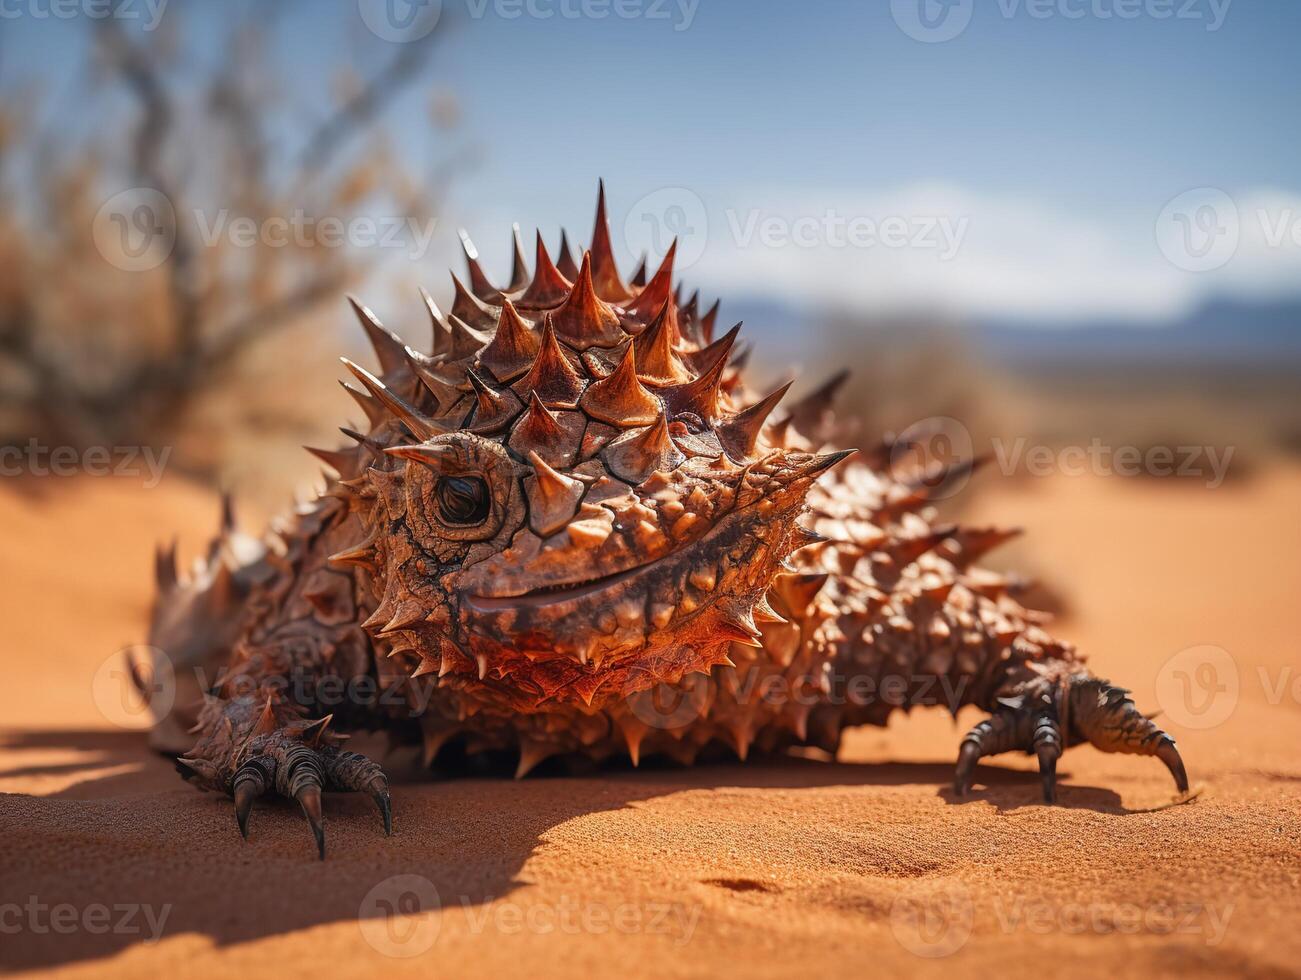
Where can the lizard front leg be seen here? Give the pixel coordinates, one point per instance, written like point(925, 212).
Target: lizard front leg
point(257, 739)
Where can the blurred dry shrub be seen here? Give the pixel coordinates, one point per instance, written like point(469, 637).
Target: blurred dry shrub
point(910, 373)
point(204, 348)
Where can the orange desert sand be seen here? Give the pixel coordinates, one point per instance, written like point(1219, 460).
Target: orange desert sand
point(859, 867)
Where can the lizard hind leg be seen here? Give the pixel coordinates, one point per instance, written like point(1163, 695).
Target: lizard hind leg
point(1043, 723)
point(1027, 723)
point(1104, 716)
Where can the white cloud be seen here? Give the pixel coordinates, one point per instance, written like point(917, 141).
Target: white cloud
point(1013, 257)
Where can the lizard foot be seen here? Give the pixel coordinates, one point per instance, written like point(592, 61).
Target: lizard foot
point(285, 765)
point(1044, 721)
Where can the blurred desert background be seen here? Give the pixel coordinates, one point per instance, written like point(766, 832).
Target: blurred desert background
point(1069, 244)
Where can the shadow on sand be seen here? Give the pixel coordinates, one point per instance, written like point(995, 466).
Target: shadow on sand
point(132, 835)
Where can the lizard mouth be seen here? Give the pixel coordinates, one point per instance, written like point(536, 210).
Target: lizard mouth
point(561, 592)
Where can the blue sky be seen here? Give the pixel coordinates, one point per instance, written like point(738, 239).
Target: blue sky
point(1047, 137)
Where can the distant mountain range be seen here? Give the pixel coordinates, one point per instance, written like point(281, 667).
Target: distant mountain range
point(1221, 332)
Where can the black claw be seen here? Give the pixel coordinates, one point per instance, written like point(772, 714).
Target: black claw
point(1048, 770)
point(246, 791)
point(1047, 742)
point(965, 772)
point(309, 798)
point(379, 793)
point(1168, 754)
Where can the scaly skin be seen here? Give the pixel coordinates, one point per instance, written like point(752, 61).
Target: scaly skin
point(570, 529)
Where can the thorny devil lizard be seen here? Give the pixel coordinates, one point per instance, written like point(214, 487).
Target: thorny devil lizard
point(570, 529)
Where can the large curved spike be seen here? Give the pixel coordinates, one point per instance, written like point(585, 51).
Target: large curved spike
point(548, 288)
point(656, 359)
point(519, 269)
point(362, 554)
point(583, 320)
point(702, 360)
point(375, 413)
point(689, 321)
point(552, 377)
point(739, 434)
point(494, 410)
point(970, 544)
point(620, 399)
point(513, 348)
point(442, 339)
point(639, 277)
point(469, 308)
point(905, 551)
point(340, 460)
point(701, 396)
point(553, 497)
point(807, 413)
point(660, 288)
point(708, 320)
point(165, 570)
point(605, 272)
point(797, 590)
point(565, 263)
point(445, 393)
point(421, 426)
point(636, 455)
point(466, 341)
point(479, 283)
point(388, 348)
point(539, 427)
point(440, 458)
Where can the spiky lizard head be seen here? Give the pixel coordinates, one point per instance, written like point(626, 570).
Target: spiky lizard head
point(571, 498)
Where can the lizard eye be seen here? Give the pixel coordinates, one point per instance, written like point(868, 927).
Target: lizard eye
point(463, 499)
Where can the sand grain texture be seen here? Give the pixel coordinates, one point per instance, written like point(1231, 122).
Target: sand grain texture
point(801, 866)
